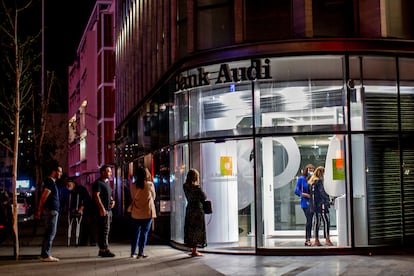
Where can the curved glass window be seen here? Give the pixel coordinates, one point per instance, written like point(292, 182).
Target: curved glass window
point(380, 93)
point(252, 126)
point(280, 161)
point(406, 93)
point(221, 111)
point(305, 94)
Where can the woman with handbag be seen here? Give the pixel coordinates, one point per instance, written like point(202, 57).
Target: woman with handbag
point(142, 211)
point(194, 227)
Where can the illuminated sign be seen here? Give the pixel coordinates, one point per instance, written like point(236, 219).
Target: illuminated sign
point(259, 69)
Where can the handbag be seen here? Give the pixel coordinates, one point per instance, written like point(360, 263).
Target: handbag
point(129, 209)
point(207, 207)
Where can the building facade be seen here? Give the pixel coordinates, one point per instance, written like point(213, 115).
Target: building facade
point(91, 88)
point(249, 92)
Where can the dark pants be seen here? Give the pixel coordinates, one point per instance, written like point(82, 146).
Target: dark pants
point(51, 220)
point(140, 230)
point(326, 222)
point(308, 228)
point(88, 230)
point(104, 226)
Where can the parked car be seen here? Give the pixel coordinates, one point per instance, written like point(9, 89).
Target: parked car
point(5, 216)
point(24, 207)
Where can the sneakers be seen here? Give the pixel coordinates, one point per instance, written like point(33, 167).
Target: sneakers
point(142, 256)
point(134, 256)
point(106, 254)
point(49, 259)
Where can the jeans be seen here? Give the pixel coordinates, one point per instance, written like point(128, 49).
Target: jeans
point(104, 225)
point(140, 230)
point(51, 219)
point(309, 216)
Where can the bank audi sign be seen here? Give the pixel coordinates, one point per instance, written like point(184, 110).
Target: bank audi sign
point(224, 73)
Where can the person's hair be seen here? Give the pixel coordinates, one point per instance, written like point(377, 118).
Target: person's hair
point(141, 177)
point(103, 168)
point(69, 179)
point(52, 166)
point(317, 175)
point(305, 171)
point(193, 178)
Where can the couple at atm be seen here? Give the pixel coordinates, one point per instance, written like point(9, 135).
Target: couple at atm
point(314, 202)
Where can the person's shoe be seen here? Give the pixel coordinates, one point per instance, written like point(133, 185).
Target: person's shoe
point(308, 243)
point(134, 256)
point(106, 254)
point(328, 242)
point(317, 243)
point(196, 254)
point(142, 256)
point(49, 259)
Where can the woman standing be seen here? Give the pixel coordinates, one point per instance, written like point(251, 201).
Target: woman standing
point(194, 227)
point(319, 204)
point(142, 211)
point(302, 190)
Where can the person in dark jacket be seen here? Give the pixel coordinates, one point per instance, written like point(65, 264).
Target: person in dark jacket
point(194, 227)
point(319, 204)
point(80, 204)
point(302, 190)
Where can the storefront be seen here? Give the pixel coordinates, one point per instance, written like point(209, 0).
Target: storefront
point(250, 126)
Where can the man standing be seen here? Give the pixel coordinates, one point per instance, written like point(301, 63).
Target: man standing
point(49, 206)
point(102, 194)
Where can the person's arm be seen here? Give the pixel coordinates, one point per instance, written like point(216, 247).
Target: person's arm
point(112, 203)
point(102, 210)
point(43, 198)
point(323, 195)
point(152, 190)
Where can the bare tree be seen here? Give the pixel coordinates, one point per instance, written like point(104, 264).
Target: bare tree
point(21, 61)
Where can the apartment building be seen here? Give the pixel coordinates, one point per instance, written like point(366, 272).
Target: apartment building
point(91, 88)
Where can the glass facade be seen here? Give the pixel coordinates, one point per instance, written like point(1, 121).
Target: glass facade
point(249, 92)
point(250, 126)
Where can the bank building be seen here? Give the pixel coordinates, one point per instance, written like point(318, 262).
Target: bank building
point(249, 92)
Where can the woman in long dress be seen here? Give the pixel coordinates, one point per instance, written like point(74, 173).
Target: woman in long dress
point(194, 227)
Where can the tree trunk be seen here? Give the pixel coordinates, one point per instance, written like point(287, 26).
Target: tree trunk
point(16, 141)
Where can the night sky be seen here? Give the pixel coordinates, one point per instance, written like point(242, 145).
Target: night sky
point(65, 22)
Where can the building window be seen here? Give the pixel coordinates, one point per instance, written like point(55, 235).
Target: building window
point(267, 20)
point(214, 23)
point(182, 27)
point(333, 18)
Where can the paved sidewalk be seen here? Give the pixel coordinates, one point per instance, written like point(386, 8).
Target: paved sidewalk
point(165, 260)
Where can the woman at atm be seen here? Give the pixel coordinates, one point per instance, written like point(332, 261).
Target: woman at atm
point(319, 204)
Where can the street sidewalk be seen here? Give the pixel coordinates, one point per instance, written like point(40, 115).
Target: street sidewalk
point(163, 260)
point(166, 260)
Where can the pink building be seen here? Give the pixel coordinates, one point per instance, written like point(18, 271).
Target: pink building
point(91, 88)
